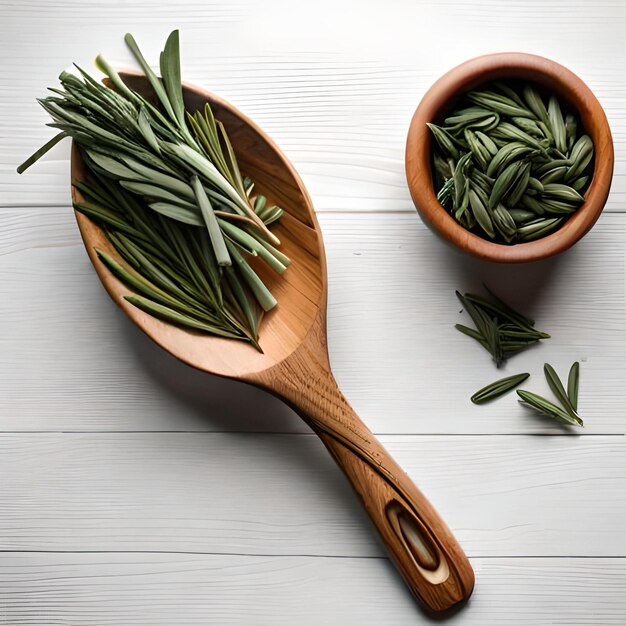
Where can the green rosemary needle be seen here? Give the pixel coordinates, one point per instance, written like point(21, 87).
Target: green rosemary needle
point(498, 388)
point(555, 384)
point(547, 408)
point(500, 329)
point(509, 163)
point(566, 413)
point(572, 384)
point(165, 187)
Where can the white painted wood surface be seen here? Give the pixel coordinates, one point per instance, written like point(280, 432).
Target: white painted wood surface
point(235, 492)
point(217, 590)
point(136, 491)
point(414, 374)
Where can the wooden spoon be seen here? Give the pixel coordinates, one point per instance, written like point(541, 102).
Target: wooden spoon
point(294, 365)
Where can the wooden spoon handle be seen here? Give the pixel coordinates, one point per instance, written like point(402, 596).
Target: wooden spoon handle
point(428, 556)
point(424, 550)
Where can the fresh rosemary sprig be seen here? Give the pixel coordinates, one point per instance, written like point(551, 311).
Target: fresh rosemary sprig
point(165, 186)
point(567, 412)
point(509, 168)
point(500, 329)
point(170, 265)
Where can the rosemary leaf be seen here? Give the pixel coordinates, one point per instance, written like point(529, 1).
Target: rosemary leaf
point(155, 81)
point(166, 189)
point(498, 388)
point(170, 73)
point(138, 283)
point(508, 168)
point(229, 158)
point(177, 212)
point(500, 329)
point(39, 153)
point(146, 130)
point(215, 233)
point(174, 317)
point(557, 124)
point(547, 408)
point(261, 292)
point(157, 193)
point(555, 384)
point(104, 67)
point(572, 384)
point(241, 298)
point(250, 243)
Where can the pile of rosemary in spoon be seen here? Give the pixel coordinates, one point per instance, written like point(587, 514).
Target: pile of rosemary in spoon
point(509, 168)
point(165, 187)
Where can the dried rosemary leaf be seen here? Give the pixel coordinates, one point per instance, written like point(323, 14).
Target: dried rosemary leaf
point(510, 160)
point(498, 388)
point(500, 329)
point(555, 384)
point(572, 384)
point(547, 408)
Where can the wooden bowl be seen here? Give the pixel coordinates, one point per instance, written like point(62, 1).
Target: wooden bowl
point(438, 101)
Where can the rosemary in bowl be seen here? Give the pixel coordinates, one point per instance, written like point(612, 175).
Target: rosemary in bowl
point(165, 187)
point(509, 164)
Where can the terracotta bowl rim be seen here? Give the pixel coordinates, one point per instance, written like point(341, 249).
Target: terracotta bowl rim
point(483, 69)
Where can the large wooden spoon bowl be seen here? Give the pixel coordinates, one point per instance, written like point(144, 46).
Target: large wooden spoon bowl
point(294, 364)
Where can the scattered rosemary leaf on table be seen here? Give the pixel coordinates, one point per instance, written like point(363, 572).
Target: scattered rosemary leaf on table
point(498, 388)
point(545, 407)
point(555, 384)
point(500, 329)
point(572, 384)
point(564, 414)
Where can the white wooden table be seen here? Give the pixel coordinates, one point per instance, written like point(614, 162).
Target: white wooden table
point(134, 490)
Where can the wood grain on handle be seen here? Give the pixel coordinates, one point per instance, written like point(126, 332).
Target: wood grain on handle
point(423, 548)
